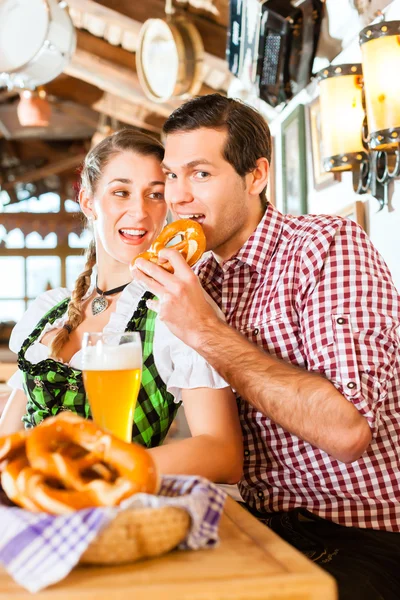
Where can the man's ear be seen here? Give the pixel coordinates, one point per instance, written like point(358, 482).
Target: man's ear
point(86, 204)
point(258, 178)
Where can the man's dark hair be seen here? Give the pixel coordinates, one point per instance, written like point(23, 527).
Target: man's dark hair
point(248, 138)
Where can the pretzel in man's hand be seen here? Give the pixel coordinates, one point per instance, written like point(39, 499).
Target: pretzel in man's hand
point(191, 243)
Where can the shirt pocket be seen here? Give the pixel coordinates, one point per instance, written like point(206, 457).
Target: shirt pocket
point(278, 334)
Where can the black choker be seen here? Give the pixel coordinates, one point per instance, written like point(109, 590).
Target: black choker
point(100, 303)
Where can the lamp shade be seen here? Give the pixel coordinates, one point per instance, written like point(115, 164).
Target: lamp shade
point(33, 109)
point(380, 47)
point(342, 116)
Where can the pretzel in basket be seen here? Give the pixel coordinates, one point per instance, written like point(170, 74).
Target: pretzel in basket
point(191, 245)
point(71, 464)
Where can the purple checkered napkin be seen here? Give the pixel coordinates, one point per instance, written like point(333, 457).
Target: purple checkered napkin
point(38, 549)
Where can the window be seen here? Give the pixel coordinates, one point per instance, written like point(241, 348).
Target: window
point(41, 247)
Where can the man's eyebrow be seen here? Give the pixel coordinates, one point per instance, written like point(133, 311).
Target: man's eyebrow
point(152, 183)
point(191, 164)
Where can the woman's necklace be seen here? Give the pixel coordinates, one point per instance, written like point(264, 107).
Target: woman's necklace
point(100, 303)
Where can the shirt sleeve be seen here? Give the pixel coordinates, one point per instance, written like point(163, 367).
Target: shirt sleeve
point(39, 307)
point(350, 317)
point(181, 367)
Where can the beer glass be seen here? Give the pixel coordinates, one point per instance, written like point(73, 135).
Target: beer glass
point(112, 368)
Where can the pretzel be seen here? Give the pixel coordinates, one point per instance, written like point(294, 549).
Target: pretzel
point(11, 445)
point(129, 461)
point(71, 464)
point(191, 247)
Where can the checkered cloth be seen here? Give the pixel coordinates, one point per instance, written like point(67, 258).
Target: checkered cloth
point(38, 549)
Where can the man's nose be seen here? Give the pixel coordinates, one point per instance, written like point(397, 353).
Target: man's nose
point(178, 192)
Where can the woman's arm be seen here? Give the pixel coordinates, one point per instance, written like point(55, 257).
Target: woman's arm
point(215, 450)
point(10, 420)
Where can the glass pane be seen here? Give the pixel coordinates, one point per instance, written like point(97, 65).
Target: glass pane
point(74, 266)
point(48, 202)
point(15, 239)
point(34, 240)
point(44, 273)
point(82, 241)
point(11, 310)
point(12, 277)
point(71, 206)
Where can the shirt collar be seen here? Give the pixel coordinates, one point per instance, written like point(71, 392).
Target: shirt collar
point(257, 251)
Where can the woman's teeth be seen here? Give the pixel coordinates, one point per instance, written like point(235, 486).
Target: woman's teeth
point(133, 232)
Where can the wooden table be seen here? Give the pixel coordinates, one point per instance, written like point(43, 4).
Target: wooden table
point(251, 563)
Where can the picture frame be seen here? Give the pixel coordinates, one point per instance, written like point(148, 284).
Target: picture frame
point(271, 189)
point(322, 178)
point(294, 165)
point(356, 212)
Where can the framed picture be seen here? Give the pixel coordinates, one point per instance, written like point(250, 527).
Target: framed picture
point(271, 190)
point(294, 166)
point(321, 177)
point(355, 212)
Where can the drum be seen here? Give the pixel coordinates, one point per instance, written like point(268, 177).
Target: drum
point(169, 58)
point(37, 40)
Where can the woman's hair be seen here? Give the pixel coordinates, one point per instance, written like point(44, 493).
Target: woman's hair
point(93, 166)
point(248, 136)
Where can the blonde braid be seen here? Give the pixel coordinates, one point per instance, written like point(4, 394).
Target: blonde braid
point(75, 316)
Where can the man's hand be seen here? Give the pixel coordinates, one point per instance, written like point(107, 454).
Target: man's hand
point(182, 303)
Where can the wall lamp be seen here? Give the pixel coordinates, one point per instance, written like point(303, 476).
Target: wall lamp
point(360, 113)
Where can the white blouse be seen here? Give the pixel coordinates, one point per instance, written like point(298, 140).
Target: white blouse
point(179, 366)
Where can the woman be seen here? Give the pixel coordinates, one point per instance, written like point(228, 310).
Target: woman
point(122, 196)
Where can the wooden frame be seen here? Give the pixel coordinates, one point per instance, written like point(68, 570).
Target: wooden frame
point(355, 212)
point(271, 189)
point(322, 178)
point(294, 166)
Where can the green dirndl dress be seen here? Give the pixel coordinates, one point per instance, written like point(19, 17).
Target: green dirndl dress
point(51, 386)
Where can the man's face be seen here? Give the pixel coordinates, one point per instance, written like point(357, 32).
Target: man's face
point(202, 185)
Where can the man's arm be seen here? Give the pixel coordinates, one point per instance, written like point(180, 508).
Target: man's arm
point(305, 404)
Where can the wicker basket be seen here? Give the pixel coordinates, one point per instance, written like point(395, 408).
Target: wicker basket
point(135, 534)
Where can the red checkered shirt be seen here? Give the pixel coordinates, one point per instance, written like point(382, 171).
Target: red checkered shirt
point(313, 291)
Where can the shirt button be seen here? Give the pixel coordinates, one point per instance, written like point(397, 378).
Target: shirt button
point(260, 495)
point(341, 321)
point(351, 385)
point(255, 332)
point(247, 452)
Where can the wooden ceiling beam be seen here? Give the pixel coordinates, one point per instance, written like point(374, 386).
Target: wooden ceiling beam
point(114, 79)
point(52, 168)
point(129, 113)
point(213, 35)
point(122, 32)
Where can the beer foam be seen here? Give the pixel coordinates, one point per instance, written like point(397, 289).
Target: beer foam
point(102, 357)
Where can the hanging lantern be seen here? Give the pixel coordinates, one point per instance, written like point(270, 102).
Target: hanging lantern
point(33, 109)
point(342, 116)
point(380, 47)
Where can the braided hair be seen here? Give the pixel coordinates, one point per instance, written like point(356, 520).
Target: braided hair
point(95, 161)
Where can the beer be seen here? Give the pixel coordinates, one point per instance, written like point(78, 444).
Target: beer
point(112, 377)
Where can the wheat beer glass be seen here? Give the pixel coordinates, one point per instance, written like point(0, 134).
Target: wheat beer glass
point(112, 369)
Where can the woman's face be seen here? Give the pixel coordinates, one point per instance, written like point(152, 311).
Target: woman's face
point(128, 207)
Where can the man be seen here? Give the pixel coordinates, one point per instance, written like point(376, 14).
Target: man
point(311, 346)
